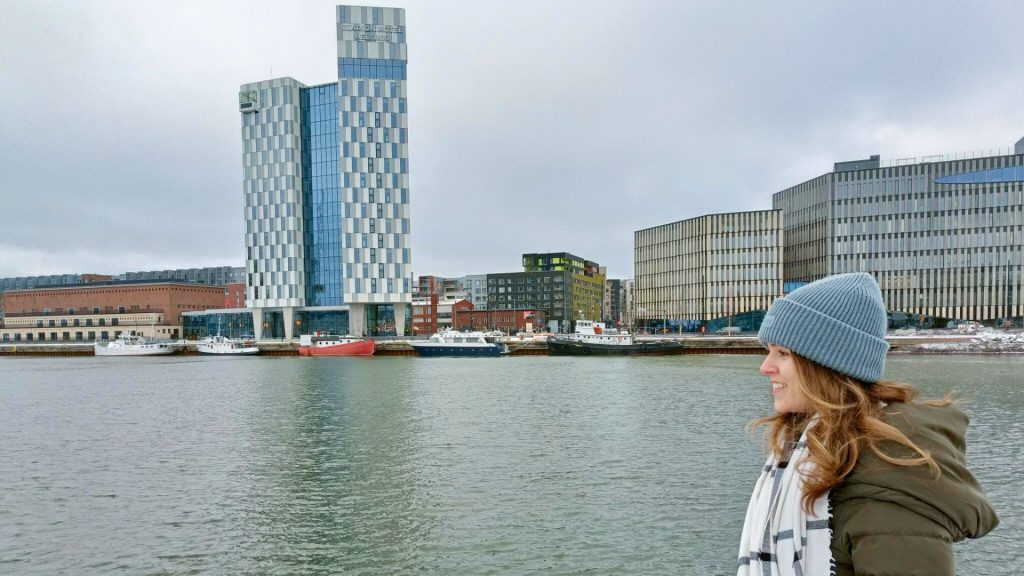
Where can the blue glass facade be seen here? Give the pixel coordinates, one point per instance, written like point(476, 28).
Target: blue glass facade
point(231, 324)
point(379, 68)
point(321, 195)
point(997, 175)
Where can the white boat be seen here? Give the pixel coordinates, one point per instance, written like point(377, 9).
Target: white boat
point(452, 343)
point(596, 339)
point(128, 343)
point(223, 345)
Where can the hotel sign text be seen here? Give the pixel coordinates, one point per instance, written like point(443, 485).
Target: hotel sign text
point(372, 32)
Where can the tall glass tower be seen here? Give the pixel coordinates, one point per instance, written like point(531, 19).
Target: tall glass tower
point(326, 183)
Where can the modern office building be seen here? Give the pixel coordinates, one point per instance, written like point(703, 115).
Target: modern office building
point(326, 186)
point(943, 236)
point(713, 271)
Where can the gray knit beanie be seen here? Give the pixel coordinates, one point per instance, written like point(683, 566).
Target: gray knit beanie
point(838, 322)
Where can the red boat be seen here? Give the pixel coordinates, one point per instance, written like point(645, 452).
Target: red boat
point(332, 345)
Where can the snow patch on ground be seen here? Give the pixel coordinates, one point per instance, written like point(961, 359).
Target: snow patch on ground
point(984, 342)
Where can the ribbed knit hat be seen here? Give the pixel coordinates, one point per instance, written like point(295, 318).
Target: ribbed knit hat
point(838, 322)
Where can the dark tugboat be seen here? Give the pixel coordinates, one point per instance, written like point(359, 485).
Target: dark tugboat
point(594, 339)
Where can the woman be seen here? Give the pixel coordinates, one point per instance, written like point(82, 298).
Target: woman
point(861, 479)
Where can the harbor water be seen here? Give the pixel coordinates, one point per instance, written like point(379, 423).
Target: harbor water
point(524, 465)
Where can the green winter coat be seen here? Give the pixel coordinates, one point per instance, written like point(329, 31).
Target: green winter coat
point(902, 520)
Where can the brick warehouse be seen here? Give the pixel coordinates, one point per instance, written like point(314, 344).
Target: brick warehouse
point(98, 311)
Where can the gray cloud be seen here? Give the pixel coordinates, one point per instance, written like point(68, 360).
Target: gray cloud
point(534, 126)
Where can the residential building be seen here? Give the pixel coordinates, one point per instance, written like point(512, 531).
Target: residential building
point(474, 288)
point(326, 187)
point(612, 306)
point(214, 276)
point(943, 236)
point(715, 270)
point(564, 286)
point(628, 307)
point(444, 288)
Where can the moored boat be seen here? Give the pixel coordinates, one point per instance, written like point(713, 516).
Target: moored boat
point(222, 345)
point(595, 339)
point(452, 343)
point(128, 343)
point(333, 345)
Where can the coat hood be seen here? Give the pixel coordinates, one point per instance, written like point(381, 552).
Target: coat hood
point(954, 500)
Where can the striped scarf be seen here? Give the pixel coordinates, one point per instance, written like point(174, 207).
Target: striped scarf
point(779, 538)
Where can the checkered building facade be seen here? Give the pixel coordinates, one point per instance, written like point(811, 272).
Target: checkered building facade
point(326, 175)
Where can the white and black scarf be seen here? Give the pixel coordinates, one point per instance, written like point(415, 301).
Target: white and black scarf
point(779, 538)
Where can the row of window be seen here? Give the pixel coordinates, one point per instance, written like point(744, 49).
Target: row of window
point(53, 336)
point(353, 87)
point(525, 280)
point(78, 321)
point(377, 68)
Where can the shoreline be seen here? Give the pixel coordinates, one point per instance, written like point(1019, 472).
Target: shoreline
point(986, 342)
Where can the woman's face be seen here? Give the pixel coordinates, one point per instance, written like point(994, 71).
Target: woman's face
point(780, 368)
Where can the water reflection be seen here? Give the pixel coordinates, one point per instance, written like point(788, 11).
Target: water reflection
point(332, 469)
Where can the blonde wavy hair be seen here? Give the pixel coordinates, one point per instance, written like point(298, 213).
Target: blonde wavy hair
point(849, 421)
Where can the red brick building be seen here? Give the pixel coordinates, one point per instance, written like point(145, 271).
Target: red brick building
point(423, 316)
point(508, 321)
point(431, 314)
point(90, 311)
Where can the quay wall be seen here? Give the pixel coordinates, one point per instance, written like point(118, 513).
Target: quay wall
point(691, 345)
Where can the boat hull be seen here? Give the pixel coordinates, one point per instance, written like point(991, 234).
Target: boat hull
point(361, 348)
point(568, 347)
point(451, 350)
point(221, 351)
point(143, 350)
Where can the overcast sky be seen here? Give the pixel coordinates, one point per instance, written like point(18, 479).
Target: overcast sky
point(534, 126)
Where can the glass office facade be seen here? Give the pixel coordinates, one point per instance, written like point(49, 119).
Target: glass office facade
point(943, 238)
point(321, 196)
point(326, 183)
point(720, 269)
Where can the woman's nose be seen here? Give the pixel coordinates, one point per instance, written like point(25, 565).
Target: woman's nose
point(767, 367)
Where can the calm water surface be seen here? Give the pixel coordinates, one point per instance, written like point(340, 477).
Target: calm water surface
point(526, 465)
